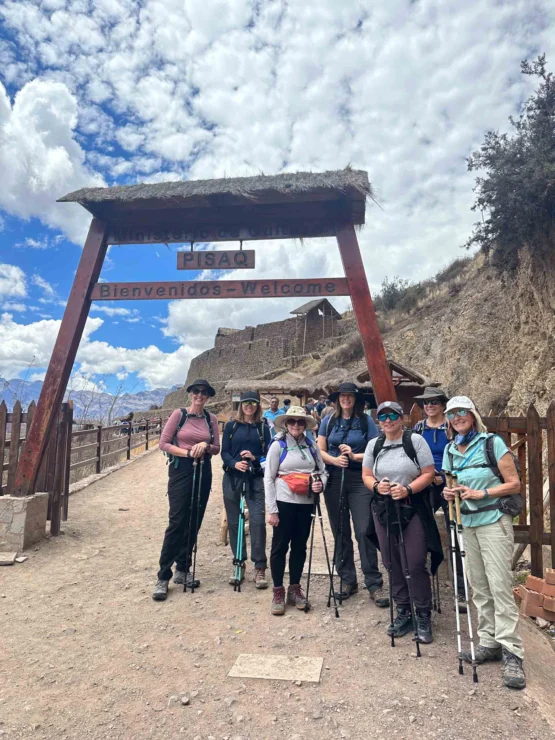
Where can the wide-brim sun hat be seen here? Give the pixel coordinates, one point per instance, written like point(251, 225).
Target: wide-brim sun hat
point(464, 402)
point(390, 406)
point(348, 388)
point(250, 396)
point(430, 394)
point(294, 412)
point(201, 383)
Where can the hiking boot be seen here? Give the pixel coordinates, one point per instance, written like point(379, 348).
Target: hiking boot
point(348, 590)
point(483, 654)
point(232, 576)
point(278, 601)
point(181, 576)
point(260, 578)
point(296, 597)
point(402, 623)
point(424, 627)
point(513, 672)
point(160, 592)
point(379, 597)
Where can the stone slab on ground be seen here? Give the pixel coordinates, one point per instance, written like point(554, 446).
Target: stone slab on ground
point(7, 558)
point(277, 667)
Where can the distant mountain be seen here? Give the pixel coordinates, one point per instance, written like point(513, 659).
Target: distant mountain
point(90, 405)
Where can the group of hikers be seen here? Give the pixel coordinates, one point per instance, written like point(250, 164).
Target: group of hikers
point(384, 484)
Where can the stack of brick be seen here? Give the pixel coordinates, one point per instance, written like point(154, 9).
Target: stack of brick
point(538, 596)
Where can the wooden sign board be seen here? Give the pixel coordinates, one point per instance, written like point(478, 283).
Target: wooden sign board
point(168, 233)
point(319, 287)
point(220, 260)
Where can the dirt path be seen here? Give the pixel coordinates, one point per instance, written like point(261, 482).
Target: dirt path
point(86, 653)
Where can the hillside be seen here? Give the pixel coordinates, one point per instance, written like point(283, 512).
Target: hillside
point(471, 329)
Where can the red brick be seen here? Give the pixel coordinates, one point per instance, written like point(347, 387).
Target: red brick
point(531, 597)
point(549, 603)
point(548, 590)
point(536, 611)
point(534, 584)
point(550, 576)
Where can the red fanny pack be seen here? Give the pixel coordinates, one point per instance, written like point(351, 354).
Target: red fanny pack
point(297, 483)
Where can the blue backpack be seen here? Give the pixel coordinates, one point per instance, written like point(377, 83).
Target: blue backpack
point(283, 444)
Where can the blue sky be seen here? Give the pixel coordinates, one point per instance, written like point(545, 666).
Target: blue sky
point(115, 91)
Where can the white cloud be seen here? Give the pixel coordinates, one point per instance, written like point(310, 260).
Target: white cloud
point(12, 281)
point(44, 285)
point(37, 377)
point(111, 311)
point(11, 306)
point(44, 243)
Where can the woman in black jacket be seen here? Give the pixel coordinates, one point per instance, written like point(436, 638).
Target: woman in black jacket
point(245, 440)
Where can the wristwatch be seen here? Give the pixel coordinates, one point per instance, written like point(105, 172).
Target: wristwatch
point(188, 453)
point(486, 493)
point(375, 487)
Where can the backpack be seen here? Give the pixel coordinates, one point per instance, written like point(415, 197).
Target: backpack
point(283, 444)
point(332, 420)
point(513, 504)
point(184, 416)
point(259, 428)
point(406, 444)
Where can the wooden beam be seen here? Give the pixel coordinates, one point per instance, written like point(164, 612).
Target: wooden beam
point(62, 359)
point(220, 259)
point(290, 288)
point(378, 367)
point(535, 488)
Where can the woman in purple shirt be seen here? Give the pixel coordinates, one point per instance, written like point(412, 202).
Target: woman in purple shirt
point(190, 438)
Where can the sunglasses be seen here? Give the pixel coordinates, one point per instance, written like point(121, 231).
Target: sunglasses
point(391, 415)
point(249, 403)
point(296, 423)
point(459, 412)
point(200, 391)
point(434, 402)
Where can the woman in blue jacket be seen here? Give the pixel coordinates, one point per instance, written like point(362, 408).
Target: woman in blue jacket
point(245, 440)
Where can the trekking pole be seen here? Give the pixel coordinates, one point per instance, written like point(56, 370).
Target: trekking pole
point(197, 525)
point(389, 570)
point(337, 538)
point(330, 570)
point(434, 589)
point(405, 565)
point(465, 580)
point(312, 528)
point(238, 560)
point(190, 523)
point(449, 483)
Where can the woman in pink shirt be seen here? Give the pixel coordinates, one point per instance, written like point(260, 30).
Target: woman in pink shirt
point(191, 437)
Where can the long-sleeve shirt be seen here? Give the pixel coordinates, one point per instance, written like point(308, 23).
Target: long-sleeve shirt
point(239, 436)
point(194, 430)
point(298, 460)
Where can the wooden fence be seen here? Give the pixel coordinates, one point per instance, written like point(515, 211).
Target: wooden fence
point(532, 440)
point(71, 454)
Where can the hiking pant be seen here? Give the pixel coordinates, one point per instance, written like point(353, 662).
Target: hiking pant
point(356, 504)
point(489, 553)
point(437, 501)
point(293, 529)
point(178, 540)
point(232, 485)
point(417, 551)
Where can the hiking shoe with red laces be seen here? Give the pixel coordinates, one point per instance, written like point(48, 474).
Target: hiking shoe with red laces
point(296, 597)
point(260, 578)
point(278, 602)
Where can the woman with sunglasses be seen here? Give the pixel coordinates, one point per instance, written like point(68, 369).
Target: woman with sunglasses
point(342, 440)
point(434, 430)
point(294, 470)
point(245, 440)
point(487, 517)
point(398, 466)
point(189, 438)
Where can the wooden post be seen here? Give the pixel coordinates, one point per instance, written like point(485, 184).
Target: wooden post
point(67, 463)
point(98, 448)
point(551, 473)
point(63, 357)
point(3, 425)
point(378, 367)
point(146, 436)
point(536, 490)
point(521, 454)
point(14, 446)
point(59, 475)
point(129, 430)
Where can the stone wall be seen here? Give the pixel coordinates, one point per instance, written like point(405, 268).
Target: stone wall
point(22, 521)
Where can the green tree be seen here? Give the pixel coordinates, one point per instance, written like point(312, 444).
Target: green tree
point(516, 196)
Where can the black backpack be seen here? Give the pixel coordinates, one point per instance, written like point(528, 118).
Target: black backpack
point(184, 416)
point(259, 428)
point(406, 444)
point(513, 504)
point(333, 418)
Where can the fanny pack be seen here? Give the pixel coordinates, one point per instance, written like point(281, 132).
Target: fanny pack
point(297, 482)
point(384, 509)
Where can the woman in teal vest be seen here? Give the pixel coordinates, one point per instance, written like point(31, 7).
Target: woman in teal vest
point(488, 504)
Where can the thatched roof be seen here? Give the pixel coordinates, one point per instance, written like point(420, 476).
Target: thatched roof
point(322, 303)
point(290, 187)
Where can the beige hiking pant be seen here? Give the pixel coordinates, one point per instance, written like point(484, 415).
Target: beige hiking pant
point(489, 552)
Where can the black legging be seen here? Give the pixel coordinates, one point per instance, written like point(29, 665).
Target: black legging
point(180, 495)
point(293, 529)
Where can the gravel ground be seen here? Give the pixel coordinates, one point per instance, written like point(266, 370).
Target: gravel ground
point(86, 653)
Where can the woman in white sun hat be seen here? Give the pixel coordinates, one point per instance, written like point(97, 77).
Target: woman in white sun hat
point(489, 487)
point(294, 471)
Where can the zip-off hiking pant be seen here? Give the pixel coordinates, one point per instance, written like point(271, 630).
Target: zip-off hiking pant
point(232, 486)
point(181, 497)
point(489, 553)
point(356, 504)
point(293, 529)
